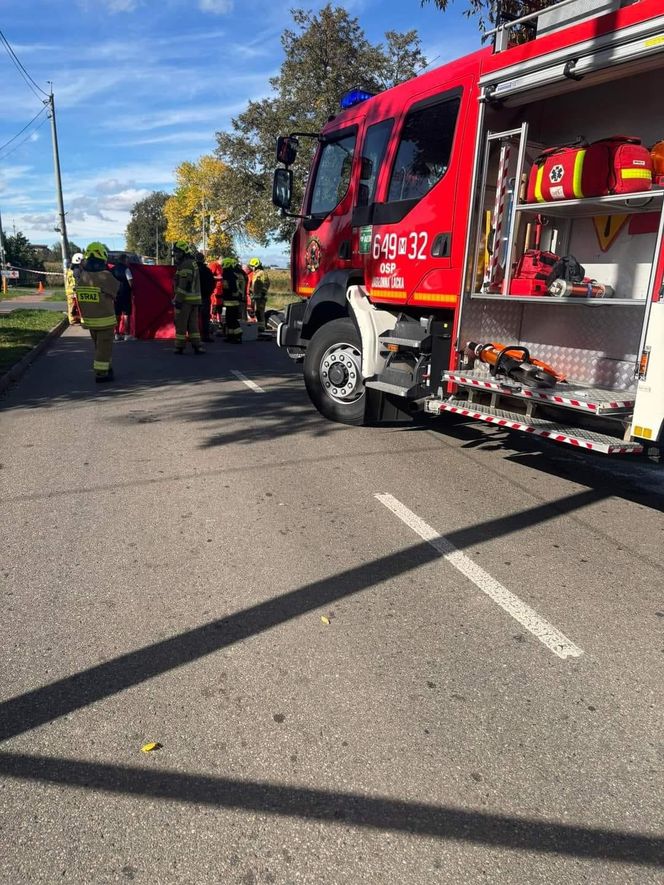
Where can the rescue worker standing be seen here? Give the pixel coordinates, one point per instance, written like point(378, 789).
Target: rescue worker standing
point(208, 285)
point(260, 284)
point(73, 313)
point(217, 293)
point(123, 275)
point(242, 281)
point(95, 293)
point(231, 300)
point(186, 298)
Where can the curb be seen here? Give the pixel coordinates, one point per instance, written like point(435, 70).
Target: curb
point(19, 368)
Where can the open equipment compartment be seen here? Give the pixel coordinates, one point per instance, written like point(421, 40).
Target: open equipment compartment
point(596, 343)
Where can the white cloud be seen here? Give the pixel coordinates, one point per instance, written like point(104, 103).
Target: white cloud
point(112, 185)
point(111, 6)
point(173, 138)
point(216, 7)
point(40, 222)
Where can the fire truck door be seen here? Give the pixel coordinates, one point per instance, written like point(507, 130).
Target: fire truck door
point(412, 231)
point(324, 243)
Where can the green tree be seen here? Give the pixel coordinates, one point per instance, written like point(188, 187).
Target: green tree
point(484, 9)
point(19, 252)
point(147, 224)
point(325, 55)
point(197, 203)
point(55, 252)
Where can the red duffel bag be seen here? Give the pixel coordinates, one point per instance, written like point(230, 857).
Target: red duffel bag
point(616, 165)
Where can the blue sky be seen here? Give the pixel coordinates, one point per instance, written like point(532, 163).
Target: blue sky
point(141, 86)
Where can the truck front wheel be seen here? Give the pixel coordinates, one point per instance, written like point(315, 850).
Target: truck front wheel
point(333, 372)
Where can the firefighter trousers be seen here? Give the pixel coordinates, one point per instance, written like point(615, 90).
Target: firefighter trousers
point(73, 314)
point(186, 321)
point(259, 307)
point(103, 341)
point(233, 327)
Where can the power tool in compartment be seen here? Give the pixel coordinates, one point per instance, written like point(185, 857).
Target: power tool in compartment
point(513, 362)
point(545, 273)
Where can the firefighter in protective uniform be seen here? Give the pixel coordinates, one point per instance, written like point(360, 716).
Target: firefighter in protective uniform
point(231, 300)
point(96, 289)
point(186, 297)
point(217, 294)
point(260, 284)
point(73, 313)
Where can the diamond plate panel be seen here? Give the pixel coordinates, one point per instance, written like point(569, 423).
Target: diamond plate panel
point(596, 345)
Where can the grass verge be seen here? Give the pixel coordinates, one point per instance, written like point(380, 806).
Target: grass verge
point(20, 331)
point(281, 293)
point(56, 294)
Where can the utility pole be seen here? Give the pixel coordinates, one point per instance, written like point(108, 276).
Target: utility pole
point(204, 230)
point(156, 243)
point(2, 260)
point(64, 244)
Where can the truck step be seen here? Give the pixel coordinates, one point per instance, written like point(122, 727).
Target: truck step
point(573, 436)
point(386, 387)
point(594, 400)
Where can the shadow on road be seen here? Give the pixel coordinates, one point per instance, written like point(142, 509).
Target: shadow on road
point(380, 813)
point(50, 702)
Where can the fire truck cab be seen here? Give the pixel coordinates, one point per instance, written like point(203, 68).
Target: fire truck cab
point(418, 233)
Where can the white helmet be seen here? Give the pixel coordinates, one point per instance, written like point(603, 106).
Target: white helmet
point(77, 258)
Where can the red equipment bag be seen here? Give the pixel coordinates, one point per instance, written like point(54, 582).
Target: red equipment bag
point(616, 165)
point(532, 273)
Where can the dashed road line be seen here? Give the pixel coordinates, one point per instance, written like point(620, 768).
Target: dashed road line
point(250, 384)
point(547, 634)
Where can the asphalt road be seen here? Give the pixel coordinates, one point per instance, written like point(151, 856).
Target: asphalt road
point(459, 681)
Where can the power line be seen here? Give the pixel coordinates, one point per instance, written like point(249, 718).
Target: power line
point(22, 71)
point(23, 141)
point(3, 146)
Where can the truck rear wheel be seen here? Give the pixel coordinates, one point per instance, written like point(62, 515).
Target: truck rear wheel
point(333, 372)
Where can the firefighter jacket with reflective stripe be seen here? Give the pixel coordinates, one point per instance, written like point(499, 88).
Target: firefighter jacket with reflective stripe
point(95, 293)
point(187, 282)
point(260, 283)
point(70, 283)
point(242, 280)
point(229, 279)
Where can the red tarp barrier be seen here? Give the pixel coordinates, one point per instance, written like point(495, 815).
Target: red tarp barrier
point(152, 293)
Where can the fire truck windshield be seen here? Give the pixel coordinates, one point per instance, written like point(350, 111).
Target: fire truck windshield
point(335, 162)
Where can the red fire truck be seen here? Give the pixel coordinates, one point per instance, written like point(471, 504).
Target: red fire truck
point(486, 238)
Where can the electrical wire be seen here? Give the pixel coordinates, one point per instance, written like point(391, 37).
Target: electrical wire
point(23, 141)
point(3, 146)
point(22, 71)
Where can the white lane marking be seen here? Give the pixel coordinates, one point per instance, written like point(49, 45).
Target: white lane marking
point(250, 384)
point(547, 634)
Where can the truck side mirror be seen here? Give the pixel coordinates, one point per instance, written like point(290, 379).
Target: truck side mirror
point(282, 188)
point(287, 147)
point(366, 169)
point(363, 195)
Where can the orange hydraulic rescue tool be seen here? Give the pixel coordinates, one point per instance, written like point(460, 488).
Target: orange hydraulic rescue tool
point(515, 362)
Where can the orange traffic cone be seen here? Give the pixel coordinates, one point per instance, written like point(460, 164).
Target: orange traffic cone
point(40, 286)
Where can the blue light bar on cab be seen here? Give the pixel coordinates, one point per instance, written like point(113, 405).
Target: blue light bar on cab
point(353, 97)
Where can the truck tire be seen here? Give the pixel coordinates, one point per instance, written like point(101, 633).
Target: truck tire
point(333, 372)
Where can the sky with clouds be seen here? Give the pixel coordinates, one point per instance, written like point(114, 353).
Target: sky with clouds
point(142, 85)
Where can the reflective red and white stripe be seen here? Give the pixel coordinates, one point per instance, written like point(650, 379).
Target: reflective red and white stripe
point(608, 448)
point(544, 396)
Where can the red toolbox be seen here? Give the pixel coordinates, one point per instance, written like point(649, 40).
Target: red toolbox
point(616, 165)
point(532, 273)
